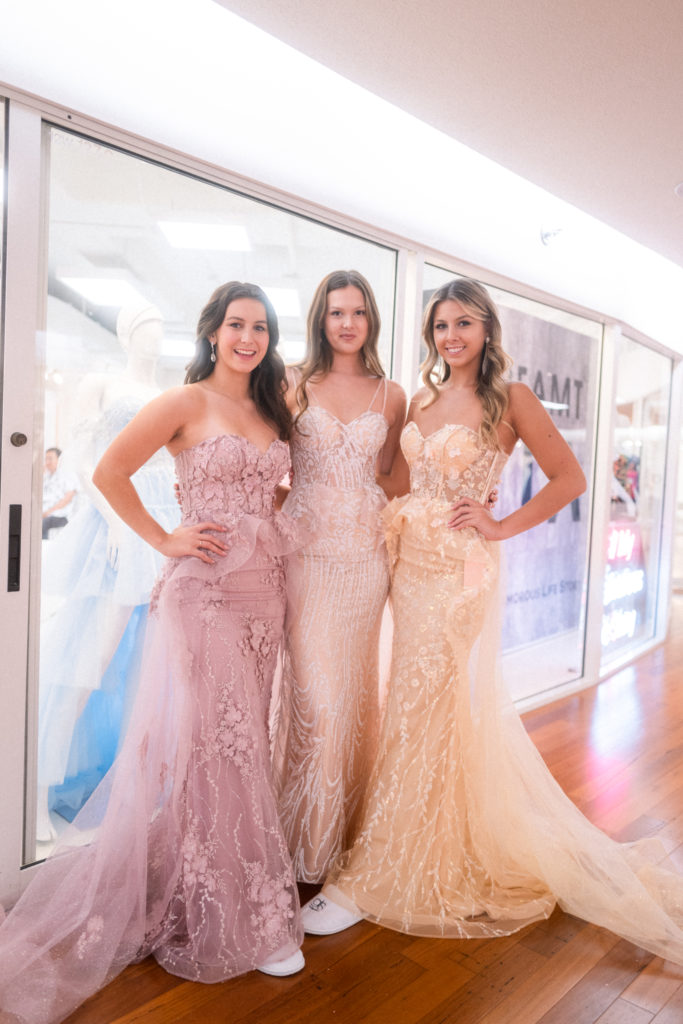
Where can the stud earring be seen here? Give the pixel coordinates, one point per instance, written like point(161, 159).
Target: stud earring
point(213, 351)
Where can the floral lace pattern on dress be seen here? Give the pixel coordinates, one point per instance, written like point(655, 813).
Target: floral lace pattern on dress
point(465, 832)
point(188, 861)
point(325, 740)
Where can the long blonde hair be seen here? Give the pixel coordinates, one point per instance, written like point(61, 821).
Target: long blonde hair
point(318, 359)
point(491, 385)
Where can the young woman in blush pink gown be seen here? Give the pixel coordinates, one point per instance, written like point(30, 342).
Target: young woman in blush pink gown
point(188, 862)
point(464, 831)
point(347, 421)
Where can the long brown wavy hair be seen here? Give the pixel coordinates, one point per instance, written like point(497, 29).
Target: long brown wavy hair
point(318, 359)
point(491, 385)
point(267, 381)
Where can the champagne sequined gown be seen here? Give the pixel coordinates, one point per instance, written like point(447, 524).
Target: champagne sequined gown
point(187, 861)
point(465, 833)
point(337, 584)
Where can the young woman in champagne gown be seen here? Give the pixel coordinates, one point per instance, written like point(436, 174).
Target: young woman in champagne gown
point(188, 862)
point(464, 831)
point(348, 419)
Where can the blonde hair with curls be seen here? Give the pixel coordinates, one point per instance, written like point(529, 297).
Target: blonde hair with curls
point(319, 355)
point(491, 384)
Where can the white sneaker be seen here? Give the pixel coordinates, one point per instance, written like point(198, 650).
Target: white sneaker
point(321, 916)
point(281, 968)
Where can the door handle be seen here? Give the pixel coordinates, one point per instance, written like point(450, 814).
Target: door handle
point(14, 548)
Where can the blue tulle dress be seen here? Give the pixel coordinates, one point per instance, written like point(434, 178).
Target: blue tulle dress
point(90, 647)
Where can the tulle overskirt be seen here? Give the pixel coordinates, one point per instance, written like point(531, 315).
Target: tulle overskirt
point(179, 852)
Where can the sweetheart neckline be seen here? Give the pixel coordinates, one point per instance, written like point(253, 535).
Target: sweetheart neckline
point(446, 426)
point(366, 412)
point(237, 437)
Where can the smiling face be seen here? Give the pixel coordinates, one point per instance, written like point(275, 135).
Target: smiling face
point(459, 337)
point(346, 321)
point(242, 339)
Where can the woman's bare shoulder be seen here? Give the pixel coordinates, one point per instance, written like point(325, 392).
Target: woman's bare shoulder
point(420, 396)
point(395, 393)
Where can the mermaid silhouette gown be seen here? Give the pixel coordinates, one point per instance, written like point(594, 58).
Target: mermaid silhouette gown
point(189, 862)
point(88, 672)
point(465, 833)
point(337, 584)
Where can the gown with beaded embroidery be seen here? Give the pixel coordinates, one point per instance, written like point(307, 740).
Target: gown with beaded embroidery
point(464, 832)
point(187, 860)
point(326, 737)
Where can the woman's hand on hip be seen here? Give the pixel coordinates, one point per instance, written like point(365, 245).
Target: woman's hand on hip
point(195, 541)
point(468, 512)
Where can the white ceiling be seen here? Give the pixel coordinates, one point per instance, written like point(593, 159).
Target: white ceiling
point(582, 97)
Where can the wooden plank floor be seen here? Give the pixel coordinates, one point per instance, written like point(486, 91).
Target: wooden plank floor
point(618, 751)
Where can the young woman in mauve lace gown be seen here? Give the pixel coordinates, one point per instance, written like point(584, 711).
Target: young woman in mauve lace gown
point(464, 831)
point(188, 862)
point(348, 418)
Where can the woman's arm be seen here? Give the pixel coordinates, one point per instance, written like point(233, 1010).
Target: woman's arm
point(566, 480)
point(392, 470)
point(156, 425)
point(293, 375)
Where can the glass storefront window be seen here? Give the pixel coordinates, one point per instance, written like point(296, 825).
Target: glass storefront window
point(2, 191)
point(677, 573)
point(556, 353)
point(637, 493)
point(135, 250)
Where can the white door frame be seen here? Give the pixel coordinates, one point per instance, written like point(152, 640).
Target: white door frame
point(22, 346)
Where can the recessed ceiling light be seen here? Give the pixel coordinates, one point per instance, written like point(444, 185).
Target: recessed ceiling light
point(225, 237)
point(679, 190)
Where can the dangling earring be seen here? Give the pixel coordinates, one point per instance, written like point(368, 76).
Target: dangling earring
point(213, 351)
point(485, 360)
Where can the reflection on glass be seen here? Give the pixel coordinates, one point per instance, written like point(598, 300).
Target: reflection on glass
point(677, 573)
point(637, 492)
point(2, 192)
point(135, 249)
point(556, 354)
point(97, 576)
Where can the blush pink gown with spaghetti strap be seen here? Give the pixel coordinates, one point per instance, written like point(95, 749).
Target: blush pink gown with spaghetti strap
point(337, 585)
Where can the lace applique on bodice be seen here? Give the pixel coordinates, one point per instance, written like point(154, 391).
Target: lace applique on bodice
point(451, 463)
point(334, 487)
point(228, 480)
point(226, 477)
point(327, 451)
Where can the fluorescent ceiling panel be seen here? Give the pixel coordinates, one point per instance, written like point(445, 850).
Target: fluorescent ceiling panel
point(105, 291)
point(223, 237)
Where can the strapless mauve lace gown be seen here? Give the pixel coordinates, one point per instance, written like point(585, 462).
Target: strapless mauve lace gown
point(189, 862)
point(337, 584)
point(465, 833)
